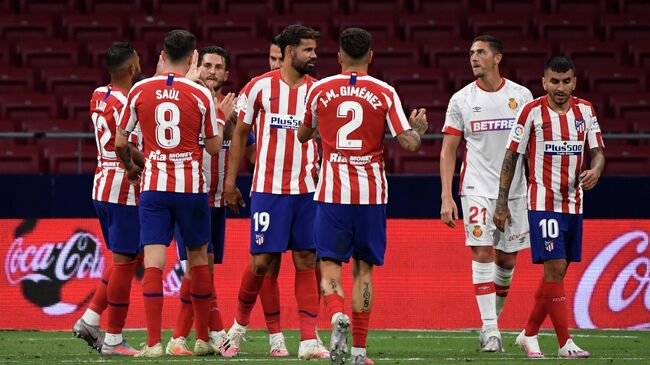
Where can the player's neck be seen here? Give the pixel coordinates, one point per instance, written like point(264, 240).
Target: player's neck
point(361, 69)
point(122, 83)
point(558, 108)
point(291, 76)
point(180, 70)
point(490, 82)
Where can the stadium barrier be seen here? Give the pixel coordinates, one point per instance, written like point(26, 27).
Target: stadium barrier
point(51, 268)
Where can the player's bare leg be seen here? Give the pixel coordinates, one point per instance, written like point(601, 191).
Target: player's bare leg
point(483, 280)
point(306, 291)
point(333, 295)
point(270, 298)
point(362, 299)
point(152, 291)
point(201, 292)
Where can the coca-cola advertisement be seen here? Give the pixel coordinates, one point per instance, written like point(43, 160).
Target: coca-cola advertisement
point(52, 267)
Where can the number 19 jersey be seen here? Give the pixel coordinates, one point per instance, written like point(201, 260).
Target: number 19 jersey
point(351, 111)
point(172, 113)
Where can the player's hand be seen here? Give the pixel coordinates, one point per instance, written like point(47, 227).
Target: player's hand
point(160, 64)
point(589, 179)
point(501, 216)
point(193, 73)
point(449, 212)
point(418, 121)
point(234, 199)
point(227, 104)
point(133, 174)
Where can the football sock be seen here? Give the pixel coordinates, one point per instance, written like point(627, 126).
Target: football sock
point(538, 314)
point(119, 294)
point(483, 279)
point(216, 322)
point(250, 287)
point(556, 304)
point(185, 317)
point(502, 281)
point(98, 303)
point(333, 305)
point(306, 293)
point(201, 293)
point(113, 339)
point(360, 328)
point(152, 292)
point(270, 298)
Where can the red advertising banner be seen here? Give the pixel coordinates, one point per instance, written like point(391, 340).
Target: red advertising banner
point(51, 268)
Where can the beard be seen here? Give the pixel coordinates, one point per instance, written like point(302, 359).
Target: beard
point(303, 68)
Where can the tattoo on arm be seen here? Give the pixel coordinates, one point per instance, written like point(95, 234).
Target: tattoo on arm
point(125, 154)
point(507, 173)
point(366, 297)
point(409, 139)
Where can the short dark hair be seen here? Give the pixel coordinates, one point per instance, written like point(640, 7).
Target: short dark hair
point(559, 64)
point(179, 44)
point(276, 40)
point(293, 34)
point(355, 42)
point(117, 55)
point(495, 43)
point(215, 50)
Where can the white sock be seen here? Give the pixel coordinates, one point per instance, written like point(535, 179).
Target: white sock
point(503, 278)
point(358, 351)
point(91, 317)
point(235, 324)
point(275, 337)
point(217, 334)
point(113, 339)
point(483, 280)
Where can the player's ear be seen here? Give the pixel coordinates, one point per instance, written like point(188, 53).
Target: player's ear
point(370, 54)
point(226, 74)
point(498, 58)
point(340, 57)
point(544, 83)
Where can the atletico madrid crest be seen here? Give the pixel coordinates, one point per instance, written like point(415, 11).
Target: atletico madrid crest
point(259, 239)
point(580, 125)
point(549, 245)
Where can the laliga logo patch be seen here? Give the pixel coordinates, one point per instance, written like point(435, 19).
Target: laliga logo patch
point(242, 102)
point(518, 133)
point(512, 104)
point(477, 232)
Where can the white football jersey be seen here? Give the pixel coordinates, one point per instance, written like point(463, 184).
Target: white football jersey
point(485, 119)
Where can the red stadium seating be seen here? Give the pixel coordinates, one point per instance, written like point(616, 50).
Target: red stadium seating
point(430, 28)
point(461, 75)
point(446, 54)
point(48, 53)
point(523, 7)
point(7, 126)
point(94, 27)
point(47, 6)
point(53, 125)
point(517, 53)
point(26, 27)
point(627, 27)
point(391, 55)
point(153, 28)
point(502, 26)
point(632, 107)
point(28, 106)
point(565, 27)
point(5, 53)
point(440, 6)
point(254, 8)
point(586, 8)
point(71, 159)
point(627, 160)
point(96, 53)
point(377, 6)
point(598, 101)
point(20, 160)
point(314, 20)
point(220, 28)
point(531, 77)
point(435, 103)
point(640, 52)
point(114, 7)
point(382, 26)
point(619, 80)
point(413, 80)
point(426, 161)
point(592, 53)
point(189, 7)
point(616, 126)
point(16, 80)
point(634, 6)
point(75, 106)
point(79, 80)
point(312, 7)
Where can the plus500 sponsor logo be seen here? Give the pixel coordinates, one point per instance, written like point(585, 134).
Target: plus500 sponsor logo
point(562, 148)
point(283, 121)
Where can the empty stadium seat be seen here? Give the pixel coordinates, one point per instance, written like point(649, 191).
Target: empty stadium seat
point(598, 101)
point(410, 80)
point(5, 53)
point(314, 20)
point(381, 26)
point(447, 54)
point(460, 75)
point(565, 27)
point(425, 161)
point(377, 6)
point(114, 7)
point(531, 77)
point(78, 80)
point(440, 6)
point(28, 106)
point(7, 126)
point(523, 7)
point(519, 53)
point(48, 53)
point(640, 51)
point(634, 6)
point(53, 125)
point(312, 7)
point(153, 28)
point(94, 27)
point(503, 26)
point(626, 27)
point(430, 27)
point(435, 103)
point(390, 55)
point(618, 80)
point(587, 8)
point(190, 7)
point(26, 27)
point(589, 53)
point(627, 160)
point(20, 160)
point(219, 28)
point(96, 52)
point(71, 159)
point(16, 80)
point(632, 107)
point(253, 8)
point(47, 6)
point(76, 106)
point(616, 126)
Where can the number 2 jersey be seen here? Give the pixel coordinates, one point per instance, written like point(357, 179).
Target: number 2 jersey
point(484, 119)
point(172, 113)
point(110, 184)
point(351, 111)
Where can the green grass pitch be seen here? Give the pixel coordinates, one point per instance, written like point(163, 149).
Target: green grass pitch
point(385, 347)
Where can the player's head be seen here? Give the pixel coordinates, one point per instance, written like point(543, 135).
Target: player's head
point(559, 79)
point(213, 64)
point(275, 54)
point(179, 47)
point(122, 60)
point(298, 47)
point(354, 47)
point(485, 55)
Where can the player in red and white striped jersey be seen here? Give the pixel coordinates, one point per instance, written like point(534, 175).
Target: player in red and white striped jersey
point(554, 130)
point(115, 201)
point(351, 111)
point(173, 113)
point(282, 204)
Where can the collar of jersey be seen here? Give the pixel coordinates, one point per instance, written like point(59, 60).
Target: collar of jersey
point(176, 74)
point(348, 73)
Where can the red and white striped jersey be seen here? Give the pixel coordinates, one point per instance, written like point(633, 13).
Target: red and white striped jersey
point(555, 145)
point(110, 183)
point(215, 169)
point(484, 119)
point(283, 165)
point(172, 112)
point(351, 111)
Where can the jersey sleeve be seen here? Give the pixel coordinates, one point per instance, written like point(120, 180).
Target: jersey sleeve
point(247, 105)
point(129, 114)
point(594, 136)
point(520, 132)
point(395, 118)
point(454, 124)
point(310, 118)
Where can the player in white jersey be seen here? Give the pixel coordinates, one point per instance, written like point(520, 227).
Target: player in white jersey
point(115, 201)
point(554, 131)
point(282, 205)
point(483, 113)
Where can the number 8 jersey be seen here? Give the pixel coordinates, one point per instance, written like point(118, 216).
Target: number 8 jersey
point(351, 111)
point(172, 113)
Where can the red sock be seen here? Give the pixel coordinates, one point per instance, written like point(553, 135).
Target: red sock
point(201, 292)
point(538, 314)
point(556, 304)
point(118, 295)
point(185, 317)
point(360, 328)
point(216, 322)
point(501, 291)
point(333, 305)
point(270, 298)
point(152, 291)
point(306, 293)
point(319, 276)
point(98, 303)
point(250, 287)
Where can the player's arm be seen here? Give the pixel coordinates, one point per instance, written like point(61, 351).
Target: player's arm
point(251, 153)
point(123, 149)
point(305, 133)
point(448, 209)
point(589, 178)
point(410, 139)
point(213, 127)
point(309, 120)
point(502, 213)
point(136, 155)
point(237, 150)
